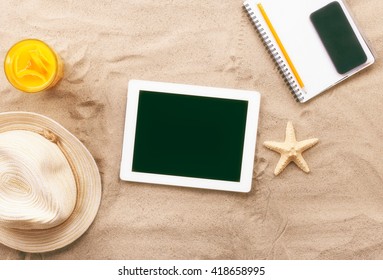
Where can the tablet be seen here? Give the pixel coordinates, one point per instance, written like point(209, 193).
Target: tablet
point(190, 136)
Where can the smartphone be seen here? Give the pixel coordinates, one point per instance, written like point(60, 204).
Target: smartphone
point(338, 37)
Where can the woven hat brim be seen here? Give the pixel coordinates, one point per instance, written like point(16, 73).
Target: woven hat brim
point(89, 189)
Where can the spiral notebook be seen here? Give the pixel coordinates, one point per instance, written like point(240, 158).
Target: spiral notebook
point(315, 44)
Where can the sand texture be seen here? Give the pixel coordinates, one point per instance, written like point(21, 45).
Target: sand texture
point(334, 212)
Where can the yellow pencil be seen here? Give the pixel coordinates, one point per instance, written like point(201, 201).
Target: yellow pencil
point(279, 42)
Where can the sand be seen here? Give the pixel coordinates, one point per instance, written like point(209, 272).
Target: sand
point(332, 213)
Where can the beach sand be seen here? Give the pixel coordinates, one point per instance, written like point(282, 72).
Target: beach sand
point(334, 212)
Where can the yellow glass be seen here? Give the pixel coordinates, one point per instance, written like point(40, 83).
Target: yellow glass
point(32, 66)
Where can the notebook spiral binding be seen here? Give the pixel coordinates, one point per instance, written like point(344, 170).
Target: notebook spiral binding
point(277, 58)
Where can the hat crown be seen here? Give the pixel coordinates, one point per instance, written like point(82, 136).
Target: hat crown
point(37, 185)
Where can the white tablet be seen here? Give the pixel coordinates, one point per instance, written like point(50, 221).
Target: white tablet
point(190, 136)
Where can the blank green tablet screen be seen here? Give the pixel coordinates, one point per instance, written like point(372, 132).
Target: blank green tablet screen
point(338, 37)
point(189, 136)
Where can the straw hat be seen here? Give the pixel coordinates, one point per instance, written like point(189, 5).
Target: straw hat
point(50, 186)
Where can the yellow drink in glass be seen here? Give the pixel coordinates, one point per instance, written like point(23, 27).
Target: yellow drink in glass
point(32, 66)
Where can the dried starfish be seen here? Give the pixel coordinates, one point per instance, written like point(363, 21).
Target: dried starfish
point(291, 150)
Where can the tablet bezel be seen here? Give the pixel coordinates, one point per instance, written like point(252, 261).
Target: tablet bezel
point(253, 99)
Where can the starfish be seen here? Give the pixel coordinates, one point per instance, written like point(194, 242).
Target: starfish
point(291, 150)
